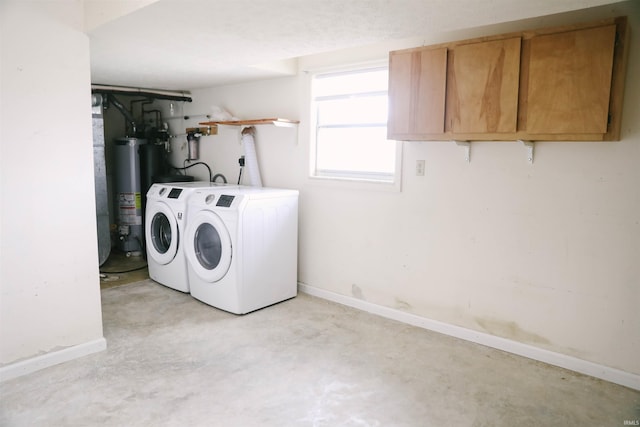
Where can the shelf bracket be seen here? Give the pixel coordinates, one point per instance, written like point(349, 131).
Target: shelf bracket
point(528, 145)
point(466, 145)
point(205, 130)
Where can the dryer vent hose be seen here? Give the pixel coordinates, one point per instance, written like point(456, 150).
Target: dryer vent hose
point(251, 158)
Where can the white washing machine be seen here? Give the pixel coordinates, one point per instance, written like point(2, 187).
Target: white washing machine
point(242, 247)
point(165, 217)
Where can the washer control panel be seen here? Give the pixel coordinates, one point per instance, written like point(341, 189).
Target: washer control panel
point(225, 201)
point(174, 193)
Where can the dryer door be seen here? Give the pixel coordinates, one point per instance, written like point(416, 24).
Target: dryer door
point(161, 231)
point(208, 246)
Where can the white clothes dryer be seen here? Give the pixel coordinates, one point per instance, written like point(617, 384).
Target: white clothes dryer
point(165, 217)
point(242, 247)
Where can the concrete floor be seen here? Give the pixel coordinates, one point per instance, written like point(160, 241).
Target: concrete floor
point(120, 269)
point(173, 361)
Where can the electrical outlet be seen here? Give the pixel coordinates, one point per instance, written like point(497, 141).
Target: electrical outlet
point(419, 167)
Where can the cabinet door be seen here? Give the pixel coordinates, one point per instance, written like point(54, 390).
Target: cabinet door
point(570, 81)
point(417, 87)
point(483, 87)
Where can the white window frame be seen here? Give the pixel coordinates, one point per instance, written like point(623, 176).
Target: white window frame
point(344, 180)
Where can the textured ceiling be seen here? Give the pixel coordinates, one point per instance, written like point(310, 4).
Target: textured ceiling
point(188, 44)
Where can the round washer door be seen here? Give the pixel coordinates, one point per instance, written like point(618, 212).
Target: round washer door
point(208, 246)
point(161, 232)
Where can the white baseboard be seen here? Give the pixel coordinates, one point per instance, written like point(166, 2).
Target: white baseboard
point(36, 363)
point(606, 373)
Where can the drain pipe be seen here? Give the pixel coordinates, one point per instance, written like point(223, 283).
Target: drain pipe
point(127, 115)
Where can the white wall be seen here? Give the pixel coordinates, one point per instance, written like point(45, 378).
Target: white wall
point(544, 254)
point(49, 279)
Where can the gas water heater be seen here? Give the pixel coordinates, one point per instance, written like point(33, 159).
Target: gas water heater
point(128, 195)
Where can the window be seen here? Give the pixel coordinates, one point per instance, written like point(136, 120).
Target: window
point(350, 115)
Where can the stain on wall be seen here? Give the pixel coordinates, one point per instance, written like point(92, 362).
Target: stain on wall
point(357, 292)
point(510, 330)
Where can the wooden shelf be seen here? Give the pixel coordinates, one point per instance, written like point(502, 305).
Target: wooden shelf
point(270, 121)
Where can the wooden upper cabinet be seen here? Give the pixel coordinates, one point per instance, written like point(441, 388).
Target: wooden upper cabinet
point(569, 81)
point(482, 93)
point(554, 84)
point(417, 88)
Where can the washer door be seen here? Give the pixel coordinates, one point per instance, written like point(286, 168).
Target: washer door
point(161, 231)
point(208, 246)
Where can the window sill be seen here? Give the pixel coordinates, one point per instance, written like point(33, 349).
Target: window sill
point(356, 184)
